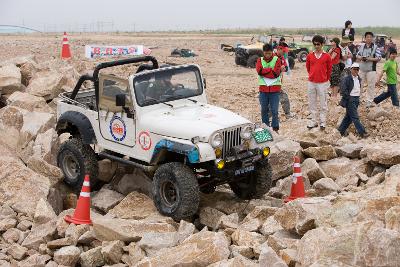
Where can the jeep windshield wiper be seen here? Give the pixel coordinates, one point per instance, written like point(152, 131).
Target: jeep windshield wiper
point(156, 101)
point(194, 101)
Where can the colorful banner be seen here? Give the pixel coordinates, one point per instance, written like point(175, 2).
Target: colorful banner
point(95, 51)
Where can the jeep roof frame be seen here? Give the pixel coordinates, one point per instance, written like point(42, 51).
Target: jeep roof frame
point(95, 77)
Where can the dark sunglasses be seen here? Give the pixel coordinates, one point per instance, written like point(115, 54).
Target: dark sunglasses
point(317, 44)
point(357, 69)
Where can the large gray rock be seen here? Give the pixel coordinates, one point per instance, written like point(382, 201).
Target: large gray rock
point(185, 230)
point(325, 186)
point(321, 153)
point(20, 187)
point(106, 199)
point(27, 101)
point(10, 79)
point(349, 150)
point(40, 234)
point(283, 239)
point(136, 181)
point(46, 146)
point(34, 124)
point(248, 239)
point(311, 169)
point(256, 218)
point(299, 216)
point(112, 251)
point(35, 260)
point(7, 223)
point(356, 245)
point(270, 226)
point(108, 229)
point(16, 251)
point(43, 213)
point(281, 158)
point(134, 206)
point(268, 257)
point(47, 84)
point(385, 153)
point(152, 243)
point(237, 261)
point(210, 217)
point(92, 258)
point(343, 167)
point(201, 249)
point(67, 256)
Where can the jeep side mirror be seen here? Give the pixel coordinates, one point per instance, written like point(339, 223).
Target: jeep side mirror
point(120, 100)
point(205, 82)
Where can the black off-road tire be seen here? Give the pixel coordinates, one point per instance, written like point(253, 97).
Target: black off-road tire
point(256, 184)
point(302, 56)
point(240, 61)
point(176, 191)
point(252, 60)
point(85, 160)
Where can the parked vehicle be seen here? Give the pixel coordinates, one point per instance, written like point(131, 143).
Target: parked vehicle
point(247, 55)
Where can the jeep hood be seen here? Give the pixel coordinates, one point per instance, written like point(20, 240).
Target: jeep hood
point(188, 121)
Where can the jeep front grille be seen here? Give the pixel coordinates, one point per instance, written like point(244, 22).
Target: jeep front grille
point(231, 139)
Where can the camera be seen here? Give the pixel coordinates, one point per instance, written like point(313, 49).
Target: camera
point(364, 58)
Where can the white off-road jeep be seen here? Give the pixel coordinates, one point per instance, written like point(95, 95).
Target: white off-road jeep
point(158, 120)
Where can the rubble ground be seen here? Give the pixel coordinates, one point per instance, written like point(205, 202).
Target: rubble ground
point(350, 216)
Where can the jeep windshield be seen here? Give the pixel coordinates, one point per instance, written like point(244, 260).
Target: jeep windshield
point(167, 84)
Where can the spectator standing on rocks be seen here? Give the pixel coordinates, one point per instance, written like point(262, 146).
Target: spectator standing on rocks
point(283, 97)
point(336, 54)
point(319, 68)
point(347, 55)
point(368, 55)
point(350, 91)
point(268, 69)
point(391, 68)
point(348, 30)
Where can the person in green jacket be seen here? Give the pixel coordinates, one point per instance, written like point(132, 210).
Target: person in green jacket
point(391, 68)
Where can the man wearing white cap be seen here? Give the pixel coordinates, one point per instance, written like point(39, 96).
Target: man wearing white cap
point(350, 91)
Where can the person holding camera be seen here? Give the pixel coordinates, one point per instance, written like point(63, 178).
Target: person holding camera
point(369, 55)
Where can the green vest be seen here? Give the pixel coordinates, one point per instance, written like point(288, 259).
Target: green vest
point(271, 65)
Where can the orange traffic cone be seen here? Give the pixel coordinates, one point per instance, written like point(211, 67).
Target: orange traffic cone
point(65, 52)
point(297, 189)
point(82, 210)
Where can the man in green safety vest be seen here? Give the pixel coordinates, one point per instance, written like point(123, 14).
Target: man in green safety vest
point(268, 68)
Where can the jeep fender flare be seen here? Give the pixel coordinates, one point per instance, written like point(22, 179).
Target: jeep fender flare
point(191, 152)
point(76, 124)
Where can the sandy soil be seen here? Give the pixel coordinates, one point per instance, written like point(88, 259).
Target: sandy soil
point(229, 86)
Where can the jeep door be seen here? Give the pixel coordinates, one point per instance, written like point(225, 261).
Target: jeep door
point(116, 123)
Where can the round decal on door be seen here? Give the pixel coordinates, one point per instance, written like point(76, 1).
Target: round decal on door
point(144, 140)
point(117, 128)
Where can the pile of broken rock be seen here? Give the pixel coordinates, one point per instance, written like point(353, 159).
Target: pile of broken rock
point(351, 216)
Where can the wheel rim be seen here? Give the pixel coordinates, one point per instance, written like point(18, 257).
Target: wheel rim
point(71, 167)
point(303, 57)
point(168, 193)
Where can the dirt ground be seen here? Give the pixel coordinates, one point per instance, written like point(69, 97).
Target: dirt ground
point(228, 85)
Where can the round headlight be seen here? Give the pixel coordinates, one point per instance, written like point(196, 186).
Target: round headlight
point(246, 131)
point(216, 140)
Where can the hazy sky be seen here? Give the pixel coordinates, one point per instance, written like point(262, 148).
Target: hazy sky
point(147, 15)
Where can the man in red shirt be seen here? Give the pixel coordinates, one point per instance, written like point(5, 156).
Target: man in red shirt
point(268, 68)
point(319, 68)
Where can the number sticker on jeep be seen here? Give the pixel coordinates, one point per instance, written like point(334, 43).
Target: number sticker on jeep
point(144, 140)
point(117, 128)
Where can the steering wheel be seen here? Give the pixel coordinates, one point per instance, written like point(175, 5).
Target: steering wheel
point(171, 91)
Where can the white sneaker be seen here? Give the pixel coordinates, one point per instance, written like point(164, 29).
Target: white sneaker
point(311, 124)
point(370, 104)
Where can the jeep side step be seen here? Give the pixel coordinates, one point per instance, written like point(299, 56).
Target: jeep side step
point(146, 168)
